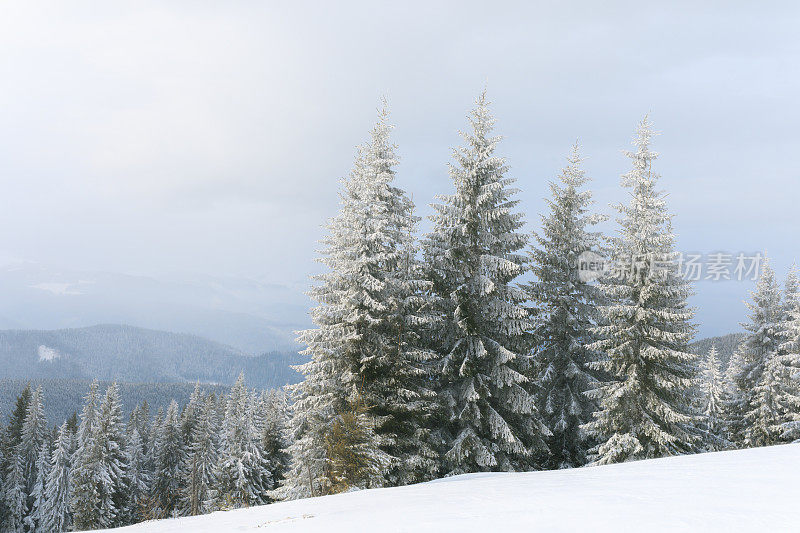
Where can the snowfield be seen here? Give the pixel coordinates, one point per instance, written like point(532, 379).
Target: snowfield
point(744, 490)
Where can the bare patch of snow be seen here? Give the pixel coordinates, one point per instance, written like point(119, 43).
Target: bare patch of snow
point(48, 354)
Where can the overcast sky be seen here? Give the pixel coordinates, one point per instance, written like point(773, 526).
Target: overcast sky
point(209, 137)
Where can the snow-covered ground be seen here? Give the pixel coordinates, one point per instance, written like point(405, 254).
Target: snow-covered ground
point(747, 490)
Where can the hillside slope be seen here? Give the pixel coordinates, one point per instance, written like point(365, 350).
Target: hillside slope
point(726, 345)
point(745, 490)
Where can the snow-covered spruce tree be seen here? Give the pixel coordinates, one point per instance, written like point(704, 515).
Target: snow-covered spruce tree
point(241, 468)
point(15, 497)
point(311, 412)
point(189, 420)
point(11, 470)
point(169, 453)
point(34, 434)
point(274, 411)
point(140, 420)
point(713, 396)
point(645, 331)
point(754, 408)
point(138, 477)
point(191, 414)
point(789, 357)
point(365, 346)
point(391, 372)
point(38, 494)
point(198, 469)
point(734, 400)
point(114, 460)
point(791, 292)
point(86, 470)
point(472, 257)
point(565, 311)
point(56, 516)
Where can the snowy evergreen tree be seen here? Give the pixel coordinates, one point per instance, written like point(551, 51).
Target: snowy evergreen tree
point(645, 330)
point(274, 443)
point(168, 459)
point(110, 441)
point(734, 400)
point(87, 475)
point(391, 372)
point(789, 360)
point(311, 415)
point(34, 521)
point(138, 477)
point(242, 473)
point(11, 469)
point(56, 516)
point(191, 414)
point(34, 434)
point(713, 395)
point(198, 469)
point(15, 497)
point(366, 344)
point(473, 256)
point(790, 422)
point(755, 408)
point(565, 309)
point(140, 421)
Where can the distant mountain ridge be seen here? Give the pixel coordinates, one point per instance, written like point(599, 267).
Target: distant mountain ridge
point(252, 315)
point(131, 354)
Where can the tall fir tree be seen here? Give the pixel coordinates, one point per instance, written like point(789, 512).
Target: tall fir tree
point(713, 397)
point(34, 435)
point(56, 515)
point(15, 497)
point(202, 454)
point(10, 467)
point(35, 519)
point(138, 477)
point(169, 454)
point(391, 373)
point(787, 363)
point(366, 345)
point(140, 420)
point(274, 443)
point(790, 350)
point(754, 408)
point(645, 330)
point(473, 255)
point(87, 475)
point(114, 460)
point(242, 473)
point(565, 311)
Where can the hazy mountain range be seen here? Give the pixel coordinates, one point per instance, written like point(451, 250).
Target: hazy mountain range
point(130, 354)
point(250, 315)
